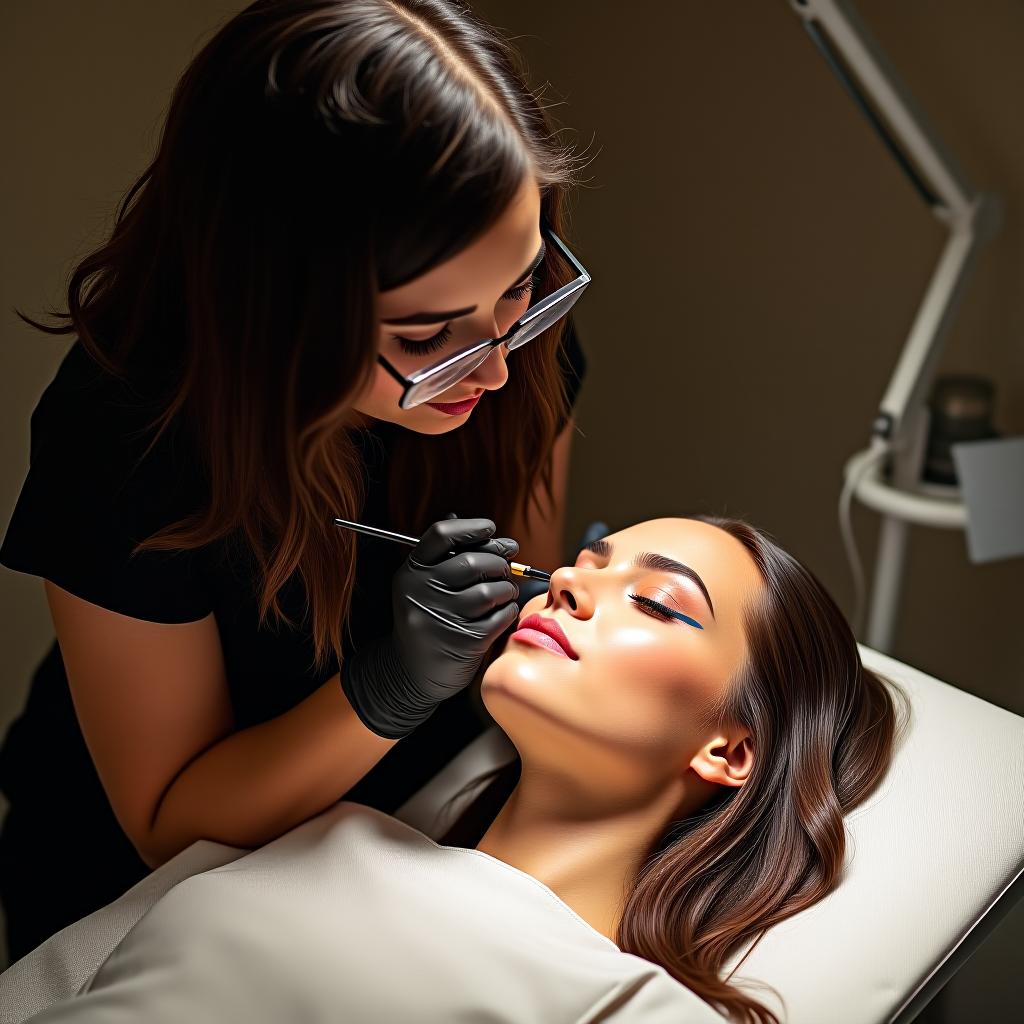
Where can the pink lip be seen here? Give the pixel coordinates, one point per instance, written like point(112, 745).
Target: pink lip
point(455, 408)
point(542, 631)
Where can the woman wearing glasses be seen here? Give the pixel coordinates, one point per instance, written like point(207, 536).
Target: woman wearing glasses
point(338, 289)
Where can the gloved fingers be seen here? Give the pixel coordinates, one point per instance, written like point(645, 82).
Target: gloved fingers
point(504, 546)
point(419, 618)
point(481, 599)
point(467, 569)
point(497, 622)
point(449, 535)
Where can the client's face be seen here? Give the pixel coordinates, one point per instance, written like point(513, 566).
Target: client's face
point(617, 664)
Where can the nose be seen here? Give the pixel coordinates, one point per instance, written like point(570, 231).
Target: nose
point(492, 373)
point(568, 589)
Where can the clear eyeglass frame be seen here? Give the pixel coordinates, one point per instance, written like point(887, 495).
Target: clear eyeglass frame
point(428, 383)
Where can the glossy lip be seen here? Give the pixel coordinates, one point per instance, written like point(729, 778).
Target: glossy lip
point(550, 635)
point(455, 408)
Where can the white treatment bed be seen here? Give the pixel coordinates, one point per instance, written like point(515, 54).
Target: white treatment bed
point(936, 859)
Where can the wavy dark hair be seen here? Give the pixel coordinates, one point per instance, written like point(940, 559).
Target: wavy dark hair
point(315, 151)
point(824, 729)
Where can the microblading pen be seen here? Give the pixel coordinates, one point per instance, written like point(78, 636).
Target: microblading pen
point(518, 569)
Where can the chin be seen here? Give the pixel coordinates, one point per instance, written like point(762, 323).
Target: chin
point(512, 684)
point(542, 732)
point(514, 716)
point(435, 425)
point(427, 421)
point(420, 420)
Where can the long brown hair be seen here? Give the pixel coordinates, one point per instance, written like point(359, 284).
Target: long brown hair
point(315, 151)
point(823, 730)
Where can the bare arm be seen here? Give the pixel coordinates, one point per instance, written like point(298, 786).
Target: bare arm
point(540, 543)
point(153, 704)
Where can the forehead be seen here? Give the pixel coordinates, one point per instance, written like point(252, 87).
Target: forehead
point(728, 570)
point(500, 253)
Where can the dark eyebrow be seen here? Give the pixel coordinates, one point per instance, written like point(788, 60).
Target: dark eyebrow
point(661, 563)
point(657, 563)
point(454, 314)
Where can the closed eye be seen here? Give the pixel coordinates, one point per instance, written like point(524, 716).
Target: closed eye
point(416, 346)
point(524, 289)
point(661, 611)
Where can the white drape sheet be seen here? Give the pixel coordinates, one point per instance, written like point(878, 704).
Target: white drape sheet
point(354, 916)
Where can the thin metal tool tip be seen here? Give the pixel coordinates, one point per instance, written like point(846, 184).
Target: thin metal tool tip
point(518, 569)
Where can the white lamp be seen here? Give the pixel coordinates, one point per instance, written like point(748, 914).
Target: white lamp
point(900, 429)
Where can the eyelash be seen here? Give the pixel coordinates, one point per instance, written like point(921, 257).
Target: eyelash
point(661, 612)
point(439, 340)
point(431, 344)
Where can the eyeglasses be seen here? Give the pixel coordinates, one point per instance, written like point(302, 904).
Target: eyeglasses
point(428, 383)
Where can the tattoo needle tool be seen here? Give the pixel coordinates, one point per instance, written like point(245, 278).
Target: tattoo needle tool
point(518, 569)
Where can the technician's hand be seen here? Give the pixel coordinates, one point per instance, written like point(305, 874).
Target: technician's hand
point(452, 598)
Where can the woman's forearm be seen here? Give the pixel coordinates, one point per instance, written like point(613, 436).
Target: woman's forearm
point(254, 785)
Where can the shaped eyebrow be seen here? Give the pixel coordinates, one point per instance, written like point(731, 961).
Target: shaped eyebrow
point(657, 563)
point(454, 314)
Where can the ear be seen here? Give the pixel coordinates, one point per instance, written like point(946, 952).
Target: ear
point(725, 760)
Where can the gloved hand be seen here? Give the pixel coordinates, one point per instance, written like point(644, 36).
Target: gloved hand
point(452, 598)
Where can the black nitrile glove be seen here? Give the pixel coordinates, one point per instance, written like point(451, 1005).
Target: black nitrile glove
point(449, 609)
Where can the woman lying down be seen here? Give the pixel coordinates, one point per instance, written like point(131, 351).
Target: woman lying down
point(692, 721)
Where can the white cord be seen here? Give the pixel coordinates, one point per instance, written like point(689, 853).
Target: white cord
point(878, 451)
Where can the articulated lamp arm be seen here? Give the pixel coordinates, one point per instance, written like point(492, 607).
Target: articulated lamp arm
point(971, 217)
point(899, 428)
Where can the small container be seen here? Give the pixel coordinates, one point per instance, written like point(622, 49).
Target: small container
point(961, 409)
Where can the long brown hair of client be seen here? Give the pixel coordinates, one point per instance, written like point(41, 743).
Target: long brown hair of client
point(823, 729)
point(315, 151)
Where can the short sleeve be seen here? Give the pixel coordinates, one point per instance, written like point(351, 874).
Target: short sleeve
point(574, 362)
point(86, 502)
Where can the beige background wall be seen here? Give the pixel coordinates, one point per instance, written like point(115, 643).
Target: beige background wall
point(83, 88)
point(757, 259)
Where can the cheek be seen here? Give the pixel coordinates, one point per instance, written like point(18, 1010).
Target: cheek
point(638, 664)
point(651, 691)
point(380, 398)
point(515, 668)
point(639, 693)
point(380, 402)
point(510, 311)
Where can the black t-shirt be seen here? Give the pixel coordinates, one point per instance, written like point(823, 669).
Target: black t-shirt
point(85, 503)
